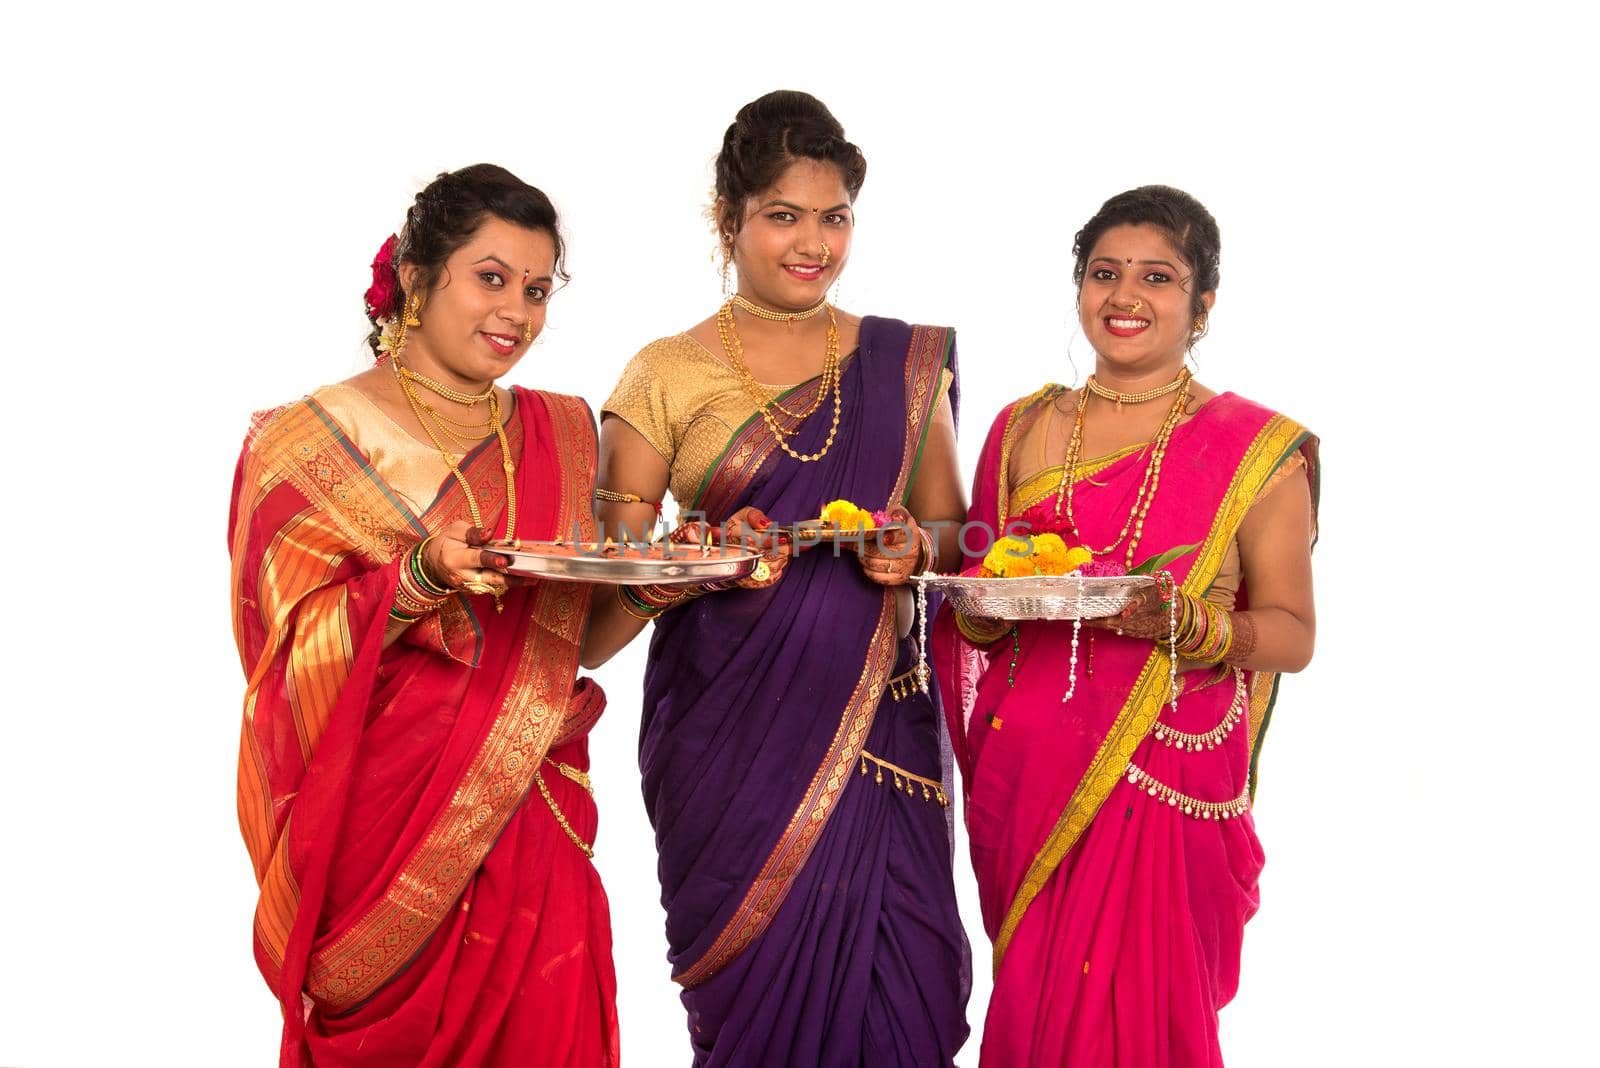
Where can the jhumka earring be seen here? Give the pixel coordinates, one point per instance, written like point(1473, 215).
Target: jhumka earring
point(405, 321)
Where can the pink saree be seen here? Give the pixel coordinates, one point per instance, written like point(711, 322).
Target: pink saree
point(1112, 884)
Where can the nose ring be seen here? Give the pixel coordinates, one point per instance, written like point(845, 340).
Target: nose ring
point(527, 331)
point(827, 253)
point(1136, 306)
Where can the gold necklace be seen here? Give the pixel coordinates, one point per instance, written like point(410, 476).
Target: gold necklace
point(1147, 488)
point(422, 410)
point(1135, 398)
point(777, 317)
point(443, 390)
point(734, 348)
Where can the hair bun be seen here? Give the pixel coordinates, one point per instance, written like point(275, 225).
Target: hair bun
point(772, 132)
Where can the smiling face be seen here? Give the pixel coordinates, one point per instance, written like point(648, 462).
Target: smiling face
point(1136, 305)
point(489, 296)
point(778, 250)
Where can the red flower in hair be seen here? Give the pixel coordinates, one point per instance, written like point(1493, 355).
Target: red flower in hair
point(383, 296)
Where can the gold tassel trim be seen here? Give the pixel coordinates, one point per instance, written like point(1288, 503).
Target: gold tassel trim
point(905, 780)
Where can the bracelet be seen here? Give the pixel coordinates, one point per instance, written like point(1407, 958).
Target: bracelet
point(929, 557)
point(1203, 632)
point(981, 631)
point(416, 592)
point(415, 560)
point(648, 601)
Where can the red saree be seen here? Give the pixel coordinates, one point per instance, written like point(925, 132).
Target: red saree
point(1113, 888)
point(420, 904)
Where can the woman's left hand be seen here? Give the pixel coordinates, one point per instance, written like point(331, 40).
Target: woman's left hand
point(1147, 617)
point(891, 555)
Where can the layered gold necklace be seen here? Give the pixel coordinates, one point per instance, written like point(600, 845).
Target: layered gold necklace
point(434, 424)
point(768, 405)
point(1152, 472)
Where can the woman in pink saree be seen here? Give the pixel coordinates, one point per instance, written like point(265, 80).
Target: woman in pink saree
point(1116, 857)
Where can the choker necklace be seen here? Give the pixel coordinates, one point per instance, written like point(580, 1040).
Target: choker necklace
point(1136, 398)
point(778, 317)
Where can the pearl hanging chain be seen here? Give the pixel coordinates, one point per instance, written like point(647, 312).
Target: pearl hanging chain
point(1189, 806)
point(922, 635)
point(1214, 737)
point(1077, 626)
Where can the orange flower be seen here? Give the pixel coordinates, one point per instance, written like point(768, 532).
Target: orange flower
point(1009, 558)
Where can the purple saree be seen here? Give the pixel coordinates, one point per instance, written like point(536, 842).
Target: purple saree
point(811, 912)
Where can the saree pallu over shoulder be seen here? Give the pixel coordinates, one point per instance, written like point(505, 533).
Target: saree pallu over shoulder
point(1216, 467)
point(316, 540)
point(758, 702)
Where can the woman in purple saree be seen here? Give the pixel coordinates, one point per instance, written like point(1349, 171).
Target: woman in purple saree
point(791, 763)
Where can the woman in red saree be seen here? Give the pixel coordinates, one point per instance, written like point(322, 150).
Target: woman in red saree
point(412, 781)
point(1116, 858)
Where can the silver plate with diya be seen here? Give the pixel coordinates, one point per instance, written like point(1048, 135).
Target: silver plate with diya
point(621, 564)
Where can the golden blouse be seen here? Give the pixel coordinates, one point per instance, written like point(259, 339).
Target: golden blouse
point(411, 467)
point(687, 403)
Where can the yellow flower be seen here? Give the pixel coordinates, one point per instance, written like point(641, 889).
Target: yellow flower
point(1008, 558)
point(1077, 556)
point(847, 516)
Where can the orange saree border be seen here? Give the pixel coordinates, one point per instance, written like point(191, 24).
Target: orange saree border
point(925, 359)
point(1276, 440)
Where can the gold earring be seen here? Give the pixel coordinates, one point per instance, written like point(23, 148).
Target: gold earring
point(1199, 330)
point(405, 321)
point(827, 253)
point(727, 263)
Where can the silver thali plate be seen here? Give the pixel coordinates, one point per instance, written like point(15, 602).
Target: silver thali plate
point(626, 566)
point(1039, 596)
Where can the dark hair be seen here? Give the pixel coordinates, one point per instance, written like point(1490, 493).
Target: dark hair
point(1183, 219)
point(449, 211)
point(768, 135)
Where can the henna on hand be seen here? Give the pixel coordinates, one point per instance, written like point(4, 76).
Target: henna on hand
point(1243, 645)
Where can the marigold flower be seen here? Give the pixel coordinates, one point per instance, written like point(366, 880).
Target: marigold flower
point(846, 515)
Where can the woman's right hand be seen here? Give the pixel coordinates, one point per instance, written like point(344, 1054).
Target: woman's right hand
point(456, 557)
point(748, 527)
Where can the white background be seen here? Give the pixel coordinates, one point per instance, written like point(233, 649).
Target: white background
point(190, 204)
